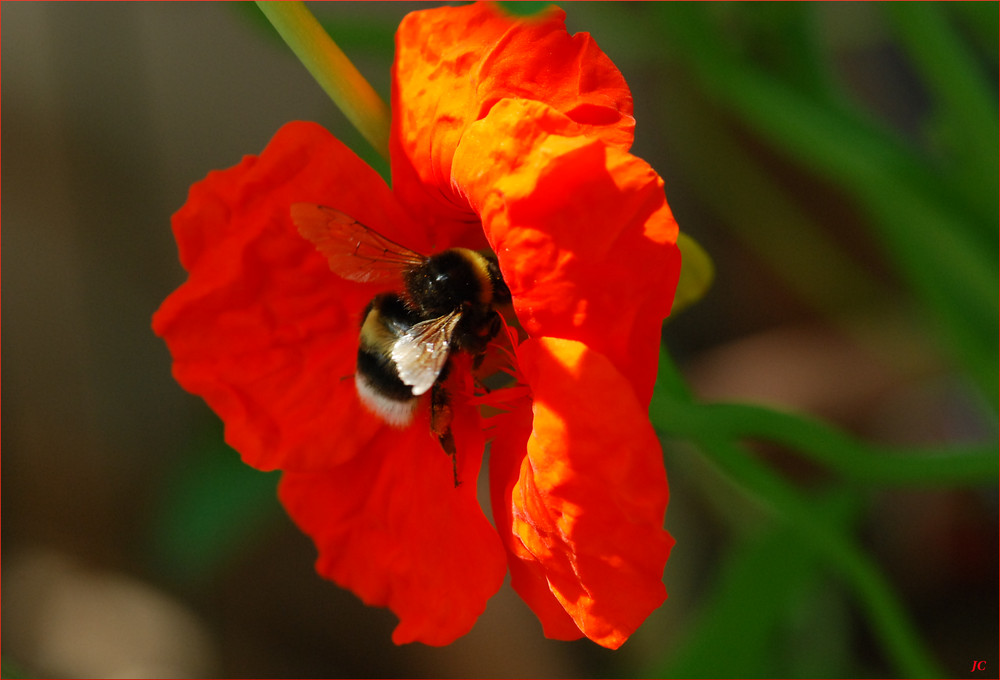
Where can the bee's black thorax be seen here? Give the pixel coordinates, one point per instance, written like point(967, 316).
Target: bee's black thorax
point(460, 279)
point(450, 280)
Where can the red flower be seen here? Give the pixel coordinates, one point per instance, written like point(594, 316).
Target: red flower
point(509, 134)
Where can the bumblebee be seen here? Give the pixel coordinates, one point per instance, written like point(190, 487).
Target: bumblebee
point(447, 304)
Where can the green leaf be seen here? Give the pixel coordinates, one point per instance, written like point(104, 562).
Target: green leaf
point(697, 273)
point(853, 460)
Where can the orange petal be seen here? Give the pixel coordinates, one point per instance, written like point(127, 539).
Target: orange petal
point(507, 452)
point(262, 329)
point(454, 63)
point(590, 498)
point(391, 526)
point(584, 235)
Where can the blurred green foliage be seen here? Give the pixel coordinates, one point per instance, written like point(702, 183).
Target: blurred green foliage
point(767, 627)
point(211, 509)
point(931, 200)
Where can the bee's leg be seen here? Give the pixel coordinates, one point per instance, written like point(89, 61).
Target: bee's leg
point(441, 416)
point(448, 444)
point(477, 360)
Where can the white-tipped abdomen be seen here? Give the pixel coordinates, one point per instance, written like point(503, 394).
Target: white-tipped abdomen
point(392, 411)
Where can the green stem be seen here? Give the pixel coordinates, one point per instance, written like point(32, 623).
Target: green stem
point(332, 70)
point(855, 460)
point(677, 413)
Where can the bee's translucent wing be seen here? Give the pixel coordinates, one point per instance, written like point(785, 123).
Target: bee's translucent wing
point(354, 251)
point(422, 351)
